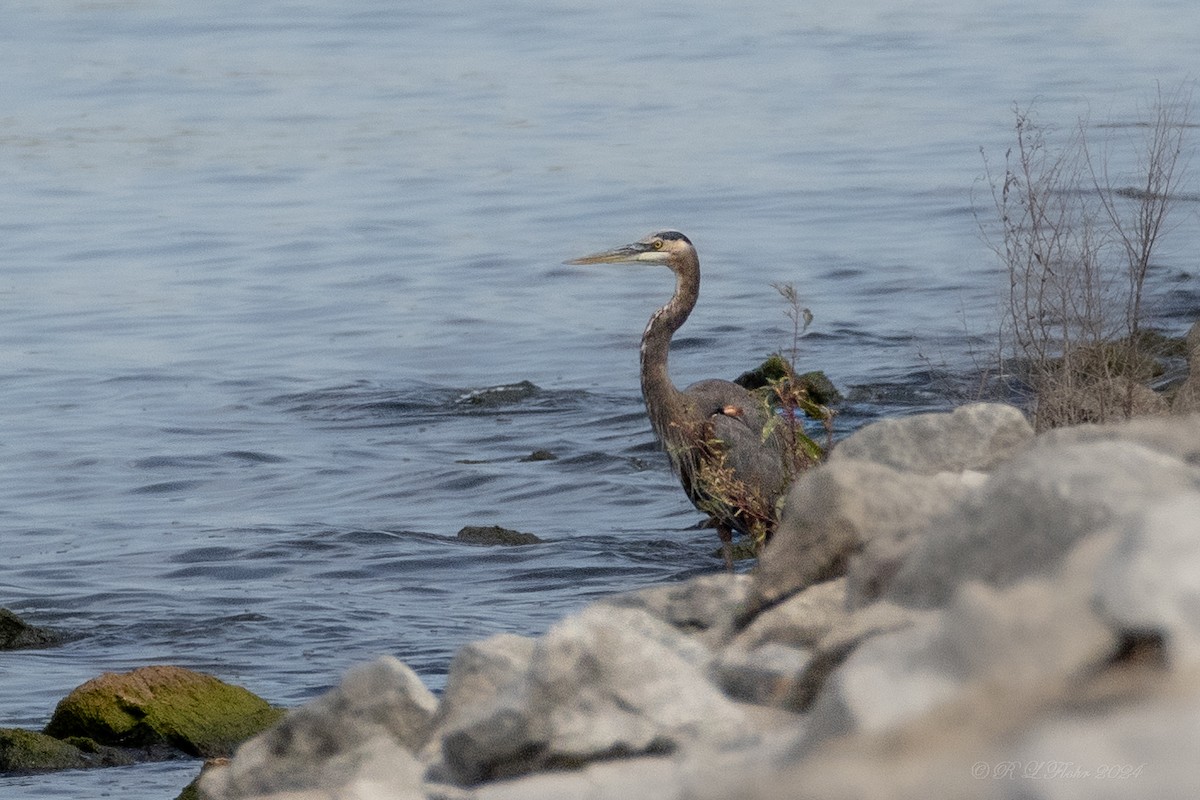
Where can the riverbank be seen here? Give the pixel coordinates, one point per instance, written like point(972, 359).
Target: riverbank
point(953, 606)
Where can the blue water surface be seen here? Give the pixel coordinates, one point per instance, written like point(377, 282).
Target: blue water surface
point(284, 304)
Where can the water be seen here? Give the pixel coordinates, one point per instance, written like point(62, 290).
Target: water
point(258, 261)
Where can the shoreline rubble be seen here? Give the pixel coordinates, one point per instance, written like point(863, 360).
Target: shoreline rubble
point(952, 606)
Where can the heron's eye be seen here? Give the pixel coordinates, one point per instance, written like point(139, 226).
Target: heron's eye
point(656, 244)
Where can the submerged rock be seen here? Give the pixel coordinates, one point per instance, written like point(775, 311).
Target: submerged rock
point(23, 751)
point(496, 535)
point(16, 633)
point(501, 395)
point(162, 706)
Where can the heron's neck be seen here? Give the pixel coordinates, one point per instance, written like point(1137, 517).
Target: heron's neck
point(663, 400)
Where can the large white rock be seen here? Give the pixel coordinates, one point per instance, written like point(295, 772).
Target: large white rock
point(972, 437)
point(881, 486)
point(1031, 512)
point(1038, 630)
point(365, 729)
point(605, 682)
point(1151, 583)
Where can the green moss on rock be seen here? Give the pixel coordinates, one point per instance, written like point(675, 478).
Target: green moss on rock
point(162, 705)
point(30, 751)
point(777, 368)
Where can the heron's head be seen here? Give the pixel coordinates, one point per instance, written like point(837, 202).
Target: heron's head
point(664, 247)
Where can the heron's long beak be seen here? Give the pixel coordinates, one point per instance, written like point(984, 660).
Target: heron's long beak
point(627, 252)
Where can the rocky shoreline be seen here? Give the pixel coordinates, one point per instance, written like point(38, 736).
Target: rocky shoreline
point(952, 607)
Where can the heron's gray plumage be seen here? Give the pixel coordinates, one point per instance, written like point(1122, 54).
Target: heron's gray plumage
point(714, 430)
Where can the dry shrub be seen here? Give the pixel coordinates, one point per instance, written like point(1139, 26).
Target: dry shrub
point(1078, 248)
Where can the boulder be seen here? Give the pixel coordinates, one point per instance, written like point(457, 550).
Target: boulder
point(838, 510)
point(1039, 630)
point(764, 675)
point(479, 673)
point(972, 437)
point(162, 706)
point(364, 730)
point(879, 487)
point(802, 620)
point(1031, 512)
point(1173, 437)
point(1150, 584)
point(603, 683)
point(766, 663)
point(1139, 743)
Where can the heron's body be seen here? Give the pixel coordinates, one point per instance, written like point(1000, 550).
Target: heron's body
point(716, 433)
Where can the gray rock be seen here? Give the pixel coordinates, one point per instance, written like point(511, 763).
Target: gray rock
point(990, 622)
point(605, 682)
point(765, 675)
point(1033, 632)
point(703, 606)
point(1179, 439)
point(373, 769)
point(657, 777)
point(834, 511)
point(1151, 581)
point(365, 727)
point(482, 675)
point(1129, 737)
point(803, 620)
point(1142, 745)
point(972, 437)
point(480, 672)
point(1031, 511)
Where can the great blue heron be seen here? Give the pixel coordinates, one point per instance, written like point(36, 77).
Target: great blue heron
point(731, 462)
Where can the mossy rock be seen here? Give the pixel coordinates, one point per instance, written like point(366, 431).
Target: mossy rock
point(23, 751)
point(163, 705)
point(30, 751)
point(776, 368)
